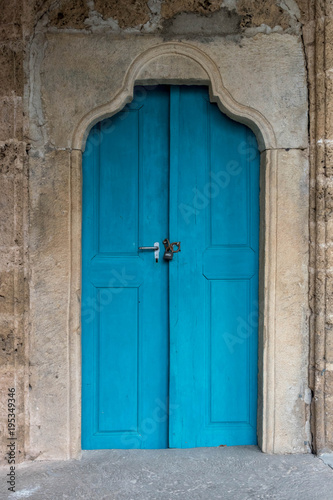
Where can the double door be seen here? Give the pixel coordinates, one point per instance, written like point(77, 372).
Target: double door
point(169, 348)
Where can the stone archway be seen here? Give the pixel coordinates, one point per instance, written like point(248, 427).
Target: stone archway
point(181, 63)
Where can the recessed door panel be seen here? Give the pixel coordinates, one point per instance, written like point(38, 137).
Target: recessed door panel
point(117, 349)
point(119, 200)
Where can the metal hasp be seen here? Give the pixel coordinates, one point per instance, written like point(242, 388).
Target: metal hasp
point(169, 250)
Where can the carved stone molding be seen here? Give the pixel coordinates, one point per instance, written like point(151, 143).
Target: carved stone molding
point(194, 57)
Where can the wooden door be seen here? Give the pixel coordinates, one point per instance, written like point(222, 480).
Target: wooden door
point(125, 325)
point(214, 281)
point(169, 349)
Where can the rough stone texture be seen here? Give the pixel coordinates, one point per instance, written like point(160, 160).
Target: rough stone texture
point(249, 13)
point(170, 16)
point(70, 14)
point(7, 200)
point(318, 38)
point(221, 22)
point(257, 12)
point(283, 347)
point(329, 409)
point(13, 287)
point(172, 7)
point(128, 14)
point(11, 62)
point(291, 389)
point(235, 473)
point(49, 252)
point(13, 189)
point(11, 125)
point(6, 340)
point(10, 21)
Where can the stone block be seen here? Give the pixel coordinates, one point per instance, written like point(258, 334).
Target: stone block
point(70, 14)
point(292, 308)
point(329, 250)
point(11, 63)
point(127, 13)
point(220, 22)
point(13, 379)
point(329, 99)
point(50, 260)
point(18, 119)
point(329, 39)
point(7, 295)
point(7, 208)
point(170, 8)
point(10, 11)
point(256, 13)
point(329, 340)
point(329, 159)
point(7, 80)
point(329, 291)
point(7, 113)
point(7, 342)
point(11, 157)
point(10, 32)
point(329, 408)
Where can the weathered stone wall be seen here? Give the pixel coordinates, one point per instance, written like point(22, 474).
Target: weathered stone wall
point(34, 31)
point(13, 225)
point(185, 16)
point(318, 37)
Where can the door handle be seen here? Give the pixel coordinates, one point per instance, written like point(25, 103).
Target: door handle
point(149, 248)
point(155, 249)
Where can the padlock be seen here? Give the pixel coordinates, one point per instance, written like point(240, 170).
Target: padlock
point(168, 255)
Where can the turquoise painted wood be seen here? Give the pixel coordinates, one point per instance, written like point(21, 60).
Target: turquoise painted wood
point(125, 340)
point(214, 280)
point(169, 349)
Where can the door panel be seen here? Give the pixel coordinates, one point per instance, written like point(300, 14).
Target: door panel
point(119, 192)
point(169, 349)
point(118, 360)
point(124, 292)
point(214, 283)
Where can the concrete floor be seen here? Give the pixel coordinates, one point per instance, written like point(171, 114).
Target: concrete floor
point(237, 473)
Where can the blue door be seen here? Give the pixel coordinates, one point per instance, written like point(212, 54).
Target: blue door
point(169, 348)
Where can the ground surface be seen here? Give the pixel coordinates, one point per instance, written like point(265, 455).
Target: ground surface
point(237, 473)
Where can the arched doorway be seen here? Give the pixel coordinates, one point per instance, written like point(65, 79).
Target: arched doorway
point(170, 347)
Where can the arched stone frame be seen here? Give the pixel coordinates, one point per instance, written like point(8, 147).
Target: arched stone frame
point(147, 69)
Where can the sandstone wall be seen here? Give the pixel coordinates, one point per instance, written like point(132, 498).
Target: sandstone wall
point(318, 38)
point(13, 225)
